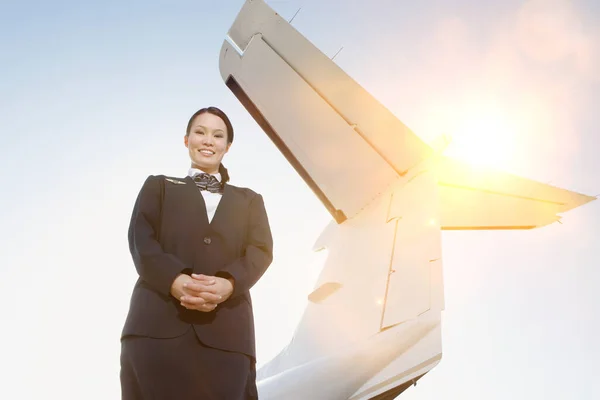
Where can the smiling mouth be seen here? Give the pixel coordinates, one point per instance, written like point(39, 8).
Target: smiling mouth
point(206, 152)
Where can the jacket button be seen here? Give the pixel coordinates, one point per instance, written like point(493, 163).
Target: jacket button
point(207, 240)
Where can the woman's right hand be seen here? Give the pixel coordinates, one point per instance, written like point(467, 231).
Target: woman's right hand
point(204, 301)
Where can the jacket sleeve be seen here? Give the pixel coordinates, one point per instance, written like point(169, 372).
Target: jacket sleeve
point(258, 252)
point(157, 268)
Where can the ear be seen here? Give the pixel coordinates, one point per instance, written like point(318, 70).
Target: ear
point(228, 146)
point(185, 140)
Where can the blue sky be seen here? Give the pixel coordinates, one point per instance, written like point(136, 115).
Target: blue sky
point(95, 96)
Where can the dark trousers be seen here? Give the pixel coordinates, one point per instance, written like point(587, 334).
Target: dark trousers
point(183, 368)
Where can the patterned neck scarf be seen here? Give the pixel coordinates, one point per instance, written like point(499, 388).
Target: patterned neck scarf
point(208, 182)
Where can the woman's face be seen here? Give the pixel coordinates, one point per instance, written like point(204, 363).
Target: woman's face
point(207, 142)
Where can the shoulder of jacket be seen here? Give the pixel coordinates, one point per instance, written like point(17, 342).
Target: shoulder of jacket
point(173, 179)
point(163, 176)
point(246, 192)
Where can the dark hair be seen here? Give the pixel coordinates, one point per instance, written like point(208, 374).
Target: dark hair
point(225, 118)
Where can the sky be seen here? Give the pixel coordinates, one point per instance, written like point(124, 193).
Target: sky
point(95, 96)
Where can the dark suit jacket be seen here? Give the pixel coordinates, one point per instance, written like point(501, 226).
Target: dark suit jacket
point(170, 234)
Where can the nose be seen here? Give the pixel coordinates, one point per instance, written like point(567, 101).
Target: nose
point(207, 140)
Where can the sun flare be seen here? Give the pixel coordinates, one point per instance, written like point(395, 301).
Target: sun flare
point(484, 137)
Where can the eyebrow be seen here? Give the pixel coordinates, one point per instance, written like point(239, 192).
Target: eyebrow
point(215, 130)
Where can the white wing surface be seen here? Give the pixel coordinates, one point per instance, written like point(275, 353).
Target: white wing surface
point(332, 130)
point(478, 198)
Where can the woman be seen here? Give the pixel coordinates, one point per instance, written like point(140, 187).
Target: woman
point(198, 244)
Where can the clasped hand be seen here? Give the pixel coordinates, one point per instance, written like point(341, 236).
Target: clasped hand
point(201, 292)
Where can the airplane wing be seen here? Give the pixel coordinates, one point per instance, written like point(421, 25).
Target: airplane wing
point(347, 146)
point(478, 198)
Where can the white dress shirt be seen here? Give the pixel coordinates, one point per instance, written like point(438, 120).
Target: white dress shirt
point(210, 199)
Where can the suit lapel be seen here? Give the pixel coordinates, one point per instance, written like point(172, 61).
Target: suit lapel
point(222, 211)
point(197, 199)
